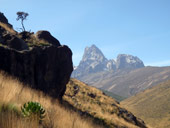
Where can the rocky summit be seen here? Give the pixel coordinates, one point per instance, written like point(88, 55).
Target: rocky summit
point(38, 60)
point(125, 61)
point(94, 61)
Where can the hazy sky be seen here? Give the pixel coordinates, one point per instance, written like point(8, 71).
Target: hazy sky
point(137, 27)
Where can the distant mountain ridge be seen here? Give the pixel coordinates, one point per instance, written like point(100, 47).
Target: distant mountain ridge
point(125, 77)
point(94, 61)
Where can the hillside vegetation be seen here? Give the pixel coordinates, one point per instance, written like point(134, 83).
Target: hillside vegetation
point(95, 103)
point(13, 95)
point(152, 105)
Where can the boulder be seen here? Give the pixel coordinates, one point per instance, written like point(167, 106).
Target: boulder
point(47, 69)
point(17, 43)
point(12, 41)
point(46, 36)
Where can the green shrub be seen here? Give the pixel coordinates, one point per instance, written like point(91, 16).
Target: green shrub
point(33, 110)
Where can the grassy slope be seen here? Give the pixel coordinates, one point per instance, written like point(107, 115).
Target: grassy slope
point(13, 93)
point(152, 105)
point(93, 102)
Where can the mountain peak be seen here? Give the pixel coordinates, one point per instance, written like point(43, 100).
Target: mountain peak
point(128, 61)
point(94, 61)
point(93, 53)
point(93, 46)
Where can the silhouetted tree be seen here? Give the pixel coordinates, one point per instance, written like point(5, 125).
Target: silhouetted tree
point(22, 16)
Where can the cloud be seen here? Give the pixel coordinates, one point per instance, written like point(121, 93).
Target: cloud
point(159, 63)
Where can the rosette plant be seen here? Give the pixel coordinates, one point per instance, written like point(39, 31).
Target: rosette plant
point(33, 110)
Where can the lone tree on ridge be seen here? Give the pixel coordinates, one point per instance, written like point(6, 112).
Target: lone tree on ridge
point(22, 16)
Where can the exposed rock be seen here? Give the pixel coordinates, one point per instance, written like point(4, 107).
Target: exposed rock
point(12, 41)
point(92, 95)
point(93, 61)
point(46, 36)
point(4, 20)
point(93, 53)
point(17, 43)
point(111, 65)
point(125, 61)
point(47, 68)
point(25, 35)
point(76, 89)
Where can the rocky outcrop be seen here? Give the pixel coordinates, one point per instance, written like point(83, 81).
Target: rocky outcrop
point(44, 67)
point(46, 36)
point(125, 61)
point(111, 65)
point(11, 40)
point(4, 20)
point(47, 69)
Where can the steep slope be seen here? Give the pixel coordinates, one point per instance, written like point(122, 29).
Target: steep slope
point(92, 109)
point(95, 103)
point(13, 95)
point(128, 82)
point(152, 105)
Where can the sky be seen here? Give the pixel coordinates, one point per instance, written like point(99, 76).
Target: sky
point(137, 27)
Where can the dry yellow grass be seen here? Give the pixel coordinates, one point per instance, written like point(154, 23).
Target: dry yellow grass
point(152, 105)
point(92, 101)
point(57, 116)
point(6, 27)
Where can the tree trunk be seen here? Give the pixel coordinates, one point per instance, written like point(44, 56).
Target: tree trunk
point(22, 22)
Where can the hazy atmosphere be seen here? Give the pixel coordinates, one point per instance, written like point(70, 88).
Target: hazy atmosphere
point(137, 27)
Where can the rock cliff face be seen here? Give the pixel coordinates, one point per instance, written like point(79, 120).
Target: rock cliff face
point(125, 61)
point(37, 60)
point(94, 61)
